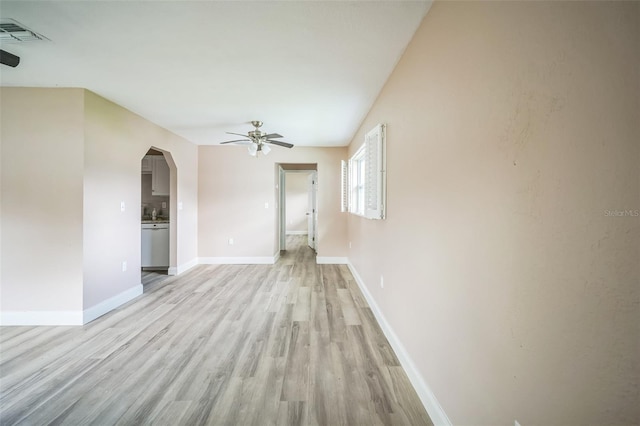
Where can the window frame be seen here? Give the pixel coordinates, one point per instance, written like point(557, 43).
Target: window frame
point(364, 177)
point(357, 178)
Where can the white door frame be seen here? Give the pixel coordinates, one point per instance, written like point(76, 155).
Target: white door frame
point(282, 197)
point(312, 213)
point(282, 202)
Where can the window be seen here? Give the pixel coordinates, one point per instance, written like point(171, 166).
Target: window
point(363, 177)
point(358, 173)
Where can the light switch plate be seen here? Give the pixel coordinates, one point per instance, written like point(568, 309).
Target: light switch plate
point(121, 206)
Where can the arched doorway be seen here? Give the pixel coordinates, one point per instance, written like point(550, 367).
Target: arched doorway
point(158, 213)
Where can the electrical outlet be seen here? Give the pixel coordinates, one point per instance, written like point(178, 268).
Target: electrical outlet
point(381, 281)
point(349, 244)
point(230, 241)
point(124, 266)
point(121, 206)
point(164, 204)
point(266, 205)
point(180, 205)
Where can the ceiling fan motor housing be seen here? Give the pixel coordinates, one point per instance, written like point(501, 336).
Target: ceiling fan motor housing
point(255, 135)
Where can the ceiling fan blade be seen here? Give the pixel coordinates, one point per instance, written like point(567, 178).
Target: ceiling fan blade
point(272, 135)
point(238, 134)
point(285, 144)
point(237, 140)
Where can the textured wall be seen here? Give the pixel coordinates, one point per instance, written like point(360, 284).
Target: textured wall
point(513, 140)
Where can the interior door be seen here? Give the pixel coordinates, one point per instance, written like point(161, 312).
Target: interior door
point(312, 211)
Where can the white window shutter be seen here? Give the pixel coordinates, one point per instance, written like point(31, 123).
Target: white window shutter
point(344, 202)
point(374, 174)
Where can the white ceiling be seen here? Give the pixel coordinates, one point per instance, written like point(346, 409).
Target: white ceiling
point(309, 70)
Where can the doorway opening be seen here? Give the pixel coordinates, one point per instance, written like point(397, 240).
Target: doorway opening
point(297, 197)
point(157, 216)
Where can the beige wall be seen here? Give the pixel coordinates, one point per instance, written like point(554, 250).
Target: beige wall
point(116, 141)
point(234, 187)
point(512, 129)
point(69, 158)
point(41, 217)
point(297, 197)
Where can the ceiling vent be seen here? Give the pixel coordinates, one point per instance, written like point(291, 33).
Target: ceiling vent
point(12, 31)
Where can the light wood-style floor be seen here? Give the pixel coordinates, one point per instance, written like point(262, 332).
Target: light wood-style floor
point(289, 344)
point(151, 277)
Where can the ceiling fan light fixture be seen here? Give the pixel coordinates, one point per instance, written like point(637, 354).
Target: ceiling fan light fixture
point(259, 140)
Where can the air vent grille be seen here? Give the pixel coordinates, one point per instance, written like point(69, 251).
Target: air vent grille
point(12, 31)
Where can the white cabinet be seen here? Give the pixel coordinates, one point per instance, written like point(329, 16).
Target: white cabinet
point(155, 245)
point(160, 176)
point(157, 167)
point(147, 164)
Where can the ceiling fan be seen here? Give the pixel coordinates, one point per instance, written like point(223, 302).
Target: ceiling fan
point(259, 140)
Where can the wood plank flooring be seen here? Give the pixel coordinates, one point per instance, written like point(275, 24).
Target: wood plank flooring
point(152, 277)
point(287, 344)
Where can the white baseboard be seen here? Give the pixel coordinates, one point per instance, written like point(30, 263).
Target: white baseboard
point(182, 268)
point(429, 400)
point(256, 260)
point(297, 233)
point(276, 257)
point(110, 304)
point(32, 318)
point(328, 260)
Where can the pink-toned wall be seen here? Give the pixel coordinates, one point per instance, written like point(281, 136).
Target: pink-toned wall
point(42, 138)
point(233, 188)
point(115, 142)
point(69, 158)
point(297, 198)
point(511, 251)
